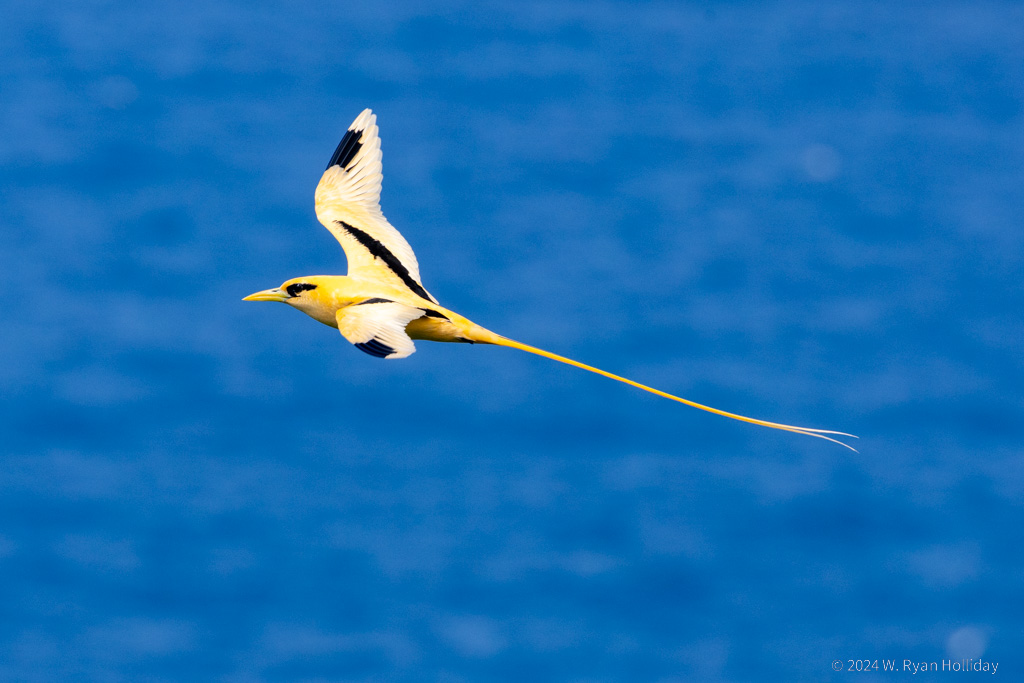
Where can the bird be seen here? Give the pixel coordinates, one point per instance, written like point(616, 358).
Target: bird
point(381, 305)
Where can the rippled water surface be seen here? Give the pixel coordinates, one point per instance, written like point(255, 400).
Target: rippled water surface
point(804, 212)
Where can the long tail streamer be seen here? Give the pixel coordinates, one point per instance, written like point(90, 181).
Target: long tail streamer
point(819, 433)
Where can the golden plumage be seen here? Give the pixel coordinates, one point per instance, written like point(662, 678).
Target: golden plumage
point(381, 306)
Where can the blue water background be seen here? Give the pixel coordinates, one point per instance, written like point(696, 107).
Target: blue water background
point(801, 211)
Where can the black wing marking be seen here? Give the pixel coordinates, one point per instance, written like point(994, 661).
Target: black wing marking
point(381, 252)
point(375, 348)
point(435, 314)
point(428, 312)
point(347, 149)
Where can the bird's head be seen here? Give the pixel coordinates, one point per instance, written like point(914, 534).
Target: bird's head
point(313, 295)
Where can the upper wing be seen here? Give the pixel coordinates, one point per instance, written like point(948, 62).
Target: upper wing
point(348, 204)
point(377, 327)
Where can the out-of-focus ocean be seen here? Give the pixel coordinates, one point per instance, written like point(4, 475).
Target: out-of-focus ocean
point(800, 211)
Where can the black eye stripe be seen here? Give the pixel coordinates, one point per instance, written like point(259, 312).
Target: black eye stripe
point(298, 287)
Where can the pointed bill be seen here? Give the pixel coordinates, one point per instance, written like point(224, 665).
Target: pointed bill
point(268, 295)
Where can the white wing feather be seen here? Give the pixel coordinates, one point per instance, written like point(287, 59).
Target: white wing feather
point(348, 204)
point(379, 328)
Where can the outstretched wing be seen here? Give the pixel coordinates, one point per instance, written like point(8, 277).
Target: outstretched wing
point(348, 204)
point(377, 327)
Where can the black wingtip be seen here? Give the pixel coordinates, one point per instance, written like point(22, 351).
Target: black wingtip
point(347, 149)
point(375, 348)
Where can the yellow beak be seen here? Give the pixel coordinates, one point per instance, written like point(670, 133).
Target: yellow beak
point(268, 295)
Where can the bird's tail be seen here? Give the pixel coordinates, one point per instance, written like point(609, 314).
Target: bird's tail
point(485, 336)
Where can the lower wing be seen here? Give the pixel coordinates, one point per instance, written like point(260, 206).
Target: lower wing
point(377, 327)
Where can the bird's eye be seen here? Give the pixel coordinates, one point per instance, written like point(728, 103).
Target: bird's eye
point(298, 287)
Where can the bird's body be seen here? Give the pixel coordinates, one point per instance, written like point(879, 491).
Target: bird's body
point(381, 306)
point(330, 300)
